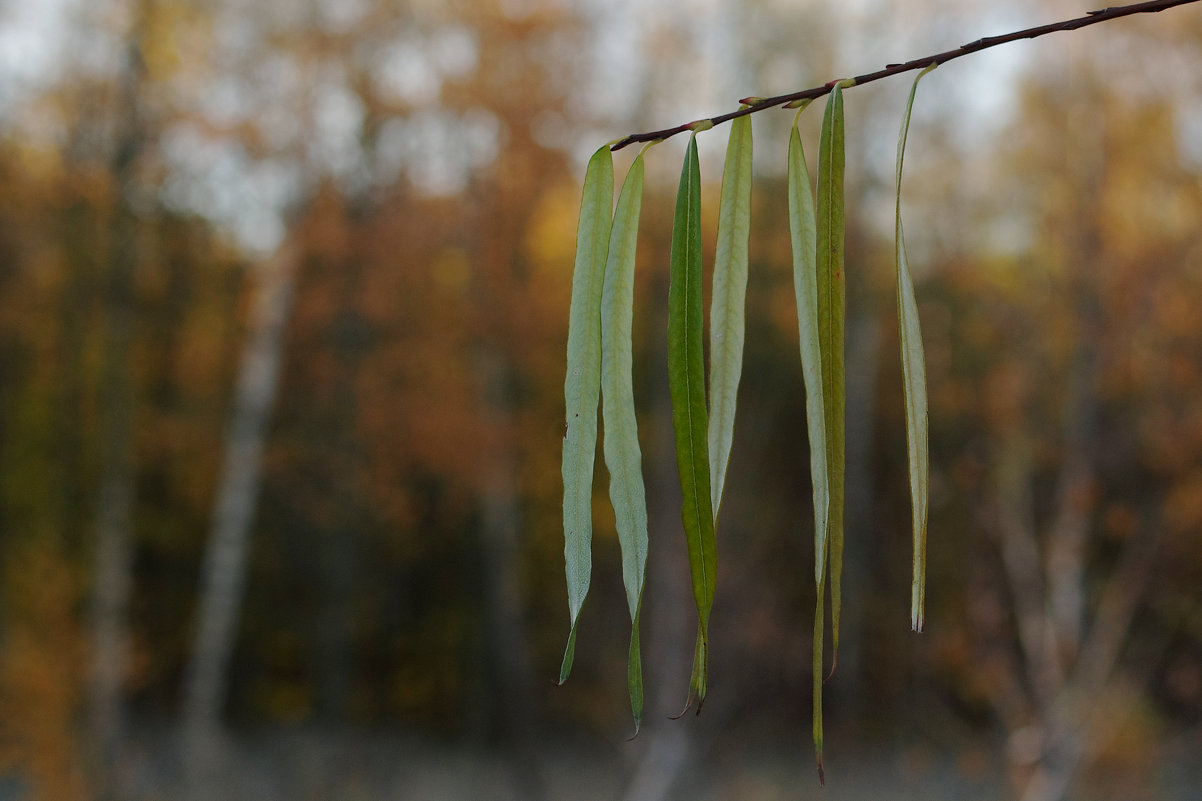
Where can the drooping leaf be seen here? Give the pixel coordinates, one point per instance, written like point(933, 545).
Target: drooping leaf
point(727, 305)
point(832, 300)
point(582, 385)
point(686, 379)
point(803, 232)
point(914, 377)
point(623, 457)
point(804, 235)
point(832, 305)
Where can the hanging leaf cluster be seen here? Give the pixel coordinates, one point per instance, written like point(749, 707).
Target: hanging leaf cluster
point(703, 411)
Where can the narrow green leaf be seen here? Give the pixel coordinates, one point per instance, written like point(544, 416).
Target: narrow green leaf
point(914, 377)
point(686, 380)
point(727, 306)
point(623, 457)
point(583, 384)
point(832, 303)
point(804, 235)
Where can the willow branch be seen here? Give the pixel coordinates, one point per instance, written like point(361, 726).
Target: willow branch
point(752, 105)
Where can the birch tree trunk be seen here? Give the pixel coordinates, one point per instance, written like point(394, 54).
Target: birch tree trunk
point(224, 570)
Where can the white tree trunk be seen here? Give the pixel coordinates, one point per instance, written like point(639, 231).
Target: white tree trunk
point(224, 569)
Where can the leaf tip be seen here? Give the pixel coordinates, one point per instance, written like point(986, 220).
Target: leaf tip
point(821, 771)
point(696, 689)
point(687, 705)
point(569, 655)
point(638, 723)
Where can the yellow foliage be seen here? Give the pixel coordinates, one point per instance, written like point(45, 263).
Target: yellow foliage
point(41, 673)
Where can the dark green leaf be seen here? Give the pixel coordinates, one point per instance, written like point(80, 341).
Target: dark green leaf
point(686, 378)
point(832, 302)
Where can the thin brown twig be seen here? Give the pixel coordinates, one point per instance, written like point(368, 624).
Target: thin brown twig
point(752, 105)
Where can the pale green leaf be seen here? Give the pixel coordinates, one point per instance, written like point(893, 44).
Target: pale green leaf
point(832, 300)
point(623, 457)
point(914, 379)
point(804, 235)
point(686, 380)
point(582, 385)
point(727, 306)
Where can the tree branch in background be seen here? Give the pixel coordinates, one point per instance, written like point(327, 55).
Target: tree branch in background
point(754, 104)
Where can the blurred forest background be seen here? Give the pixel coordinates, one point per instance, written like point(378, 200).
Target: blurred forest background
point(283, 306)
